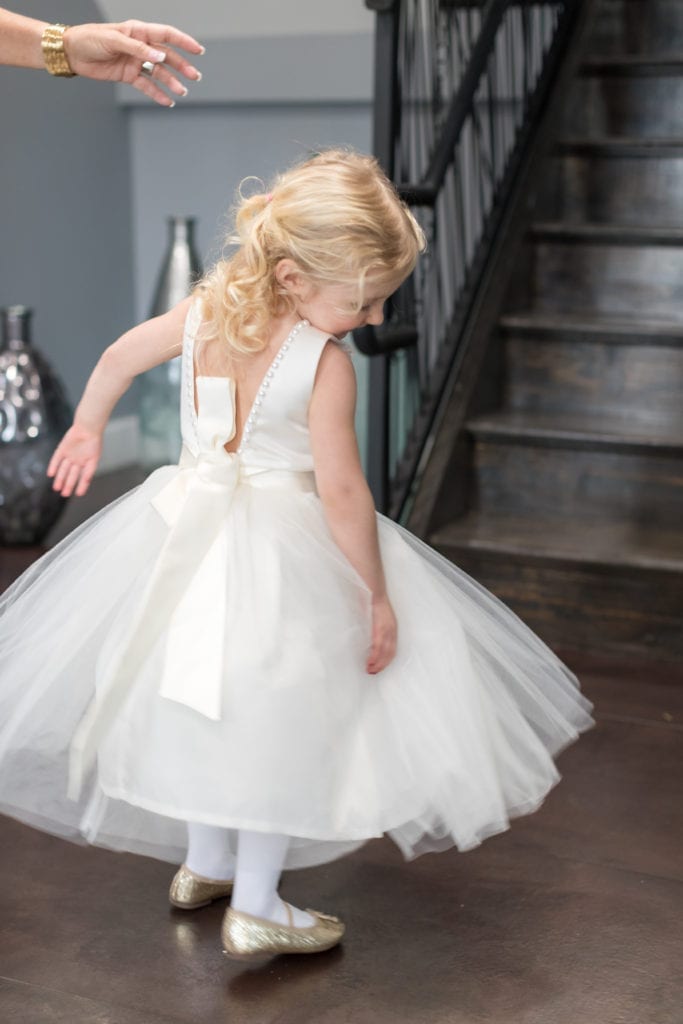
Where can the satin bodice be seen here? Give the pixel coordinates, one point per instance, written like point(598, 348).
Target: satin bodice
point(276, 434)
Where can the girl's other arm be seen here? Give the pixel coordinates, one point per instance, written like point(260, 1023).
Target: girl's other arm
point(155, 341)
point(347, 501)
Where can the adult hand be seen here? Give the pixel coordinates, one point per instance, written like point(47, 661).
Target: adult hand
point(116, 52)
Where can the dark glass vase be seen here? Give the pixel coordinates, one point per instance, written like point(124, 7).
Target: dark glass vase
point(160, 387)
point(34, 415)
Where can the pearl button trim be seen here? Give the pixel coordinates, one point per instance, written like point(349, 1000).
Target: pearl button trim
point(254, 413)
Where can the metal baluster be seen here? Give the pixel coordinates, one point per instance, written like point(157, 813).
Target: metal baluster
point(436, 42)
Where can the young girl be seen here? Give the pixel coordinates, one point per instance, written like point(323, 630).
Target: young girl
point(210, 670)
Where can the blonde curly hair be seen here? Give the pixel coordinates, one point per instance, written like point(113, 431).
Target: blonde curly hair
point(337, 216)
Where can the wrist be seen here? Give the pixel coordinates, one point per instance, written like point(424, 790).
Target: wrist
point(84, 426)
point(68, 43)
point(34, 39)
point(20, 40)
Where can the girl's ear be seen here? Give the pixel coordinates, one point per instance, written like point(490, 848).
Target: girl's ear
point(289, 276)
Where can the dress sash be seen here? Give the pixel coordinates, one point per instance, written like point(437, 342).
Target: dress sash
point(194, 505)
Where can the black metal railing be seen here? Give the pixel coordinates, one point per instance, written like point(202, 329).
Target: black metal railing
point(458, 89)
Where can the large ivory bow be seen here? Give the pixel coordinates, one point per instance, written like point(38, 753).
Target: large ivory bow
point(194, 505)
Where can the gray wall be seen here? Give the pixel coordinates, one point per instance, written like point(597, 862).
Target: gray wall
point(216, 19)
point(65, 222)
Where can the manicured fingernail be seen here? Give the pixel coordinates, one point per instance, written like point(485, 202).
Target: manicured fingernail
point(198, 76)
point(158, 56)
point(203, 50)
point(172, 103)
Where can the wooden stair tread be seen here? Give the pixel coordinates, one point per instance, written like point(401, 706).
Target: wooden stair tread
point(582, 326)
point(610, 544)
point(566, 429)
point(606, 234)
point(635, 65)
point(614, 146)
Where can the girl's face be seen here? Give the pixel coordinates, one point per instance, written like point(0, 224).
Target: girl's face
point(333, 308)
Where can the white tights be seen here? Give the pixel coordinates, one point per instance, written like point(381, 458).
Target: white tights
point(257, 870)
point(208, 852)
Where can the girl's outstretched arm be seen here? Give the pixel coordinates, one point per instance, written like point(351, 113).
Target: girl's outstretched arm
point(343, 490)
point(155, 341)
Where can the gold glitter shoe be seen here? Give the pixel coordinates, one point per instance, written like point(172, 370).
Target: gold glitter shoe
point(246, 937)
point(189, 891)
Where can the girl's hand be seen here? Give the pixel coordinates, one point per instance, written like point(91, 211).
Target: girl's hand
point(75, 461)
point(384, 632)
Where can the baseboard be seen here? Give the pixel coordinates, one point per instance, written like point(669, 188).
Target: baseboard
point(121, 444)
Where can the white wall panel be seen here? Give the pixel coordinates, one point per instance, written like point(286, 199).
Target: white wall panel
point(213, 19)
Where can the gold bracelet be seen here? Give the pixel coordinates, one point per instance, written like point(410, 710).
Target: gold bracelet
point(52, 43)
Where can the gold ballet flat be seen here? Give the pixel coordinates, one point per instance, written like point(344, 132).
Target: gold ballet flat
point(189, 891)
point(246, 938)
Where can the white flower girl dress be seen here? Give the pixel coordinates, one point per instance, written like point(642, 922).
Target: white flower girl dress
point(195, 652)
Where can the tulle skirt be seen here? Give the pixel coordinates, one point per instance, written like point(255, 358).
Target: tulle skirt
point(442, 748)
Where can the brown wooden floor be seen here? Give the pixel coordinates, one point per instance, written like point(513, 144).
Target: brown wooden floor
point(571, 917)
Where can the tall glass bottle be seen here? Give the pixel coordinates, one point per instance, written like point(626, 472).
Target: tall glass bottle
point(34, 415)
point(160, 396)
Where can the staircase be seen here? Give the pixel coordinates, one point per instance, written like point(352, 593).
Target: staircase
point(572, 476)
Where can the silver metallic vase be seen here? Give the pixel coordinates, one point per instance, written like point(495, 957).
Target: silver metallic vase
point(34, 415)
point(160, 397)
